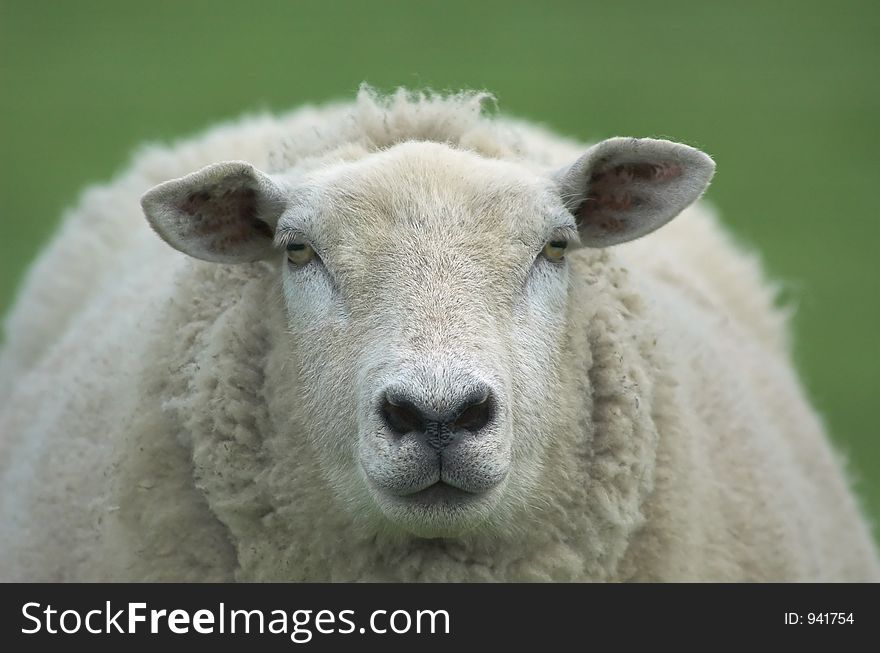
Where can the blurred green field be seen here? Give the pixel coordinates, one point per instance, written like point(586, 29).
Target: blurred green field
point(785, 95)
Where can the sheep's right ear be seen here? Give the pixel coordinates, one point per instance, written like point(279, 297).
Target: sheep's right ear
point(624, 188)
point(225, 213)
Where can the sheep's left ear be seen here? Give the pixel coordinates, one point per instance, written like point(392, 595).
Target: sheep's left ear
point(624, 188)
point(225, 213)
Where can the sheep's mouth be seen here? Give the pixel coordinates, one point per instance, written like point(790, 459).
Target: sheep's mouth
point(439, 510)
point(441, 493)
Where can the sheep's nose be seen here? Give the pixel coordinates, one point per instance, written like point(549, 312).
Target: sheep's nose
point(402, 415)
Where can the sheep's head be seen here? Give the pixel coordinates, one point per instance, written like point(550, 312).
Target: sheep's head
point(427, 295)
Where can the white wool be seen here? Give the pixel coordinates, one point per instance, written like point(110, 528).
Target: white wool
point(155, 423)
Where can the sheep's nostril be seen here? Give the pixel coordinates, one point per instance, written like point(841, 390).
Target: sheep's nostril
point(476, 416)
point(439, 428)
point(401, 416)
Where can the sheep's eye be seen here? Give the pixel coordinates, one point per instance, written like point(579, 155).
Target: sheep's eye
point(555, 250)
point(299, 253)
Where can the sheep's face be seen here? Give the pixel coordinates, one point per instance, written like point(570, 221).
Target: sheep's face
point(429, 316)
point(427, 295)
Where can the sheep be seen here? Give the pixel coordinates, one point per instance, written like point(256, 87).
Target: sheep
point(402, 339)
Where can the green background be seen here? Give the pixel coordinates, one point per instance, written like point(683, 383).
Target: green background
point(784, 95)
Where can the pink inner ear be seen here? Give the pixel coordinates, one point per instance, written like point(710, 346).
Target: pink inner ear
point(611, 191)
point(226, 216)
